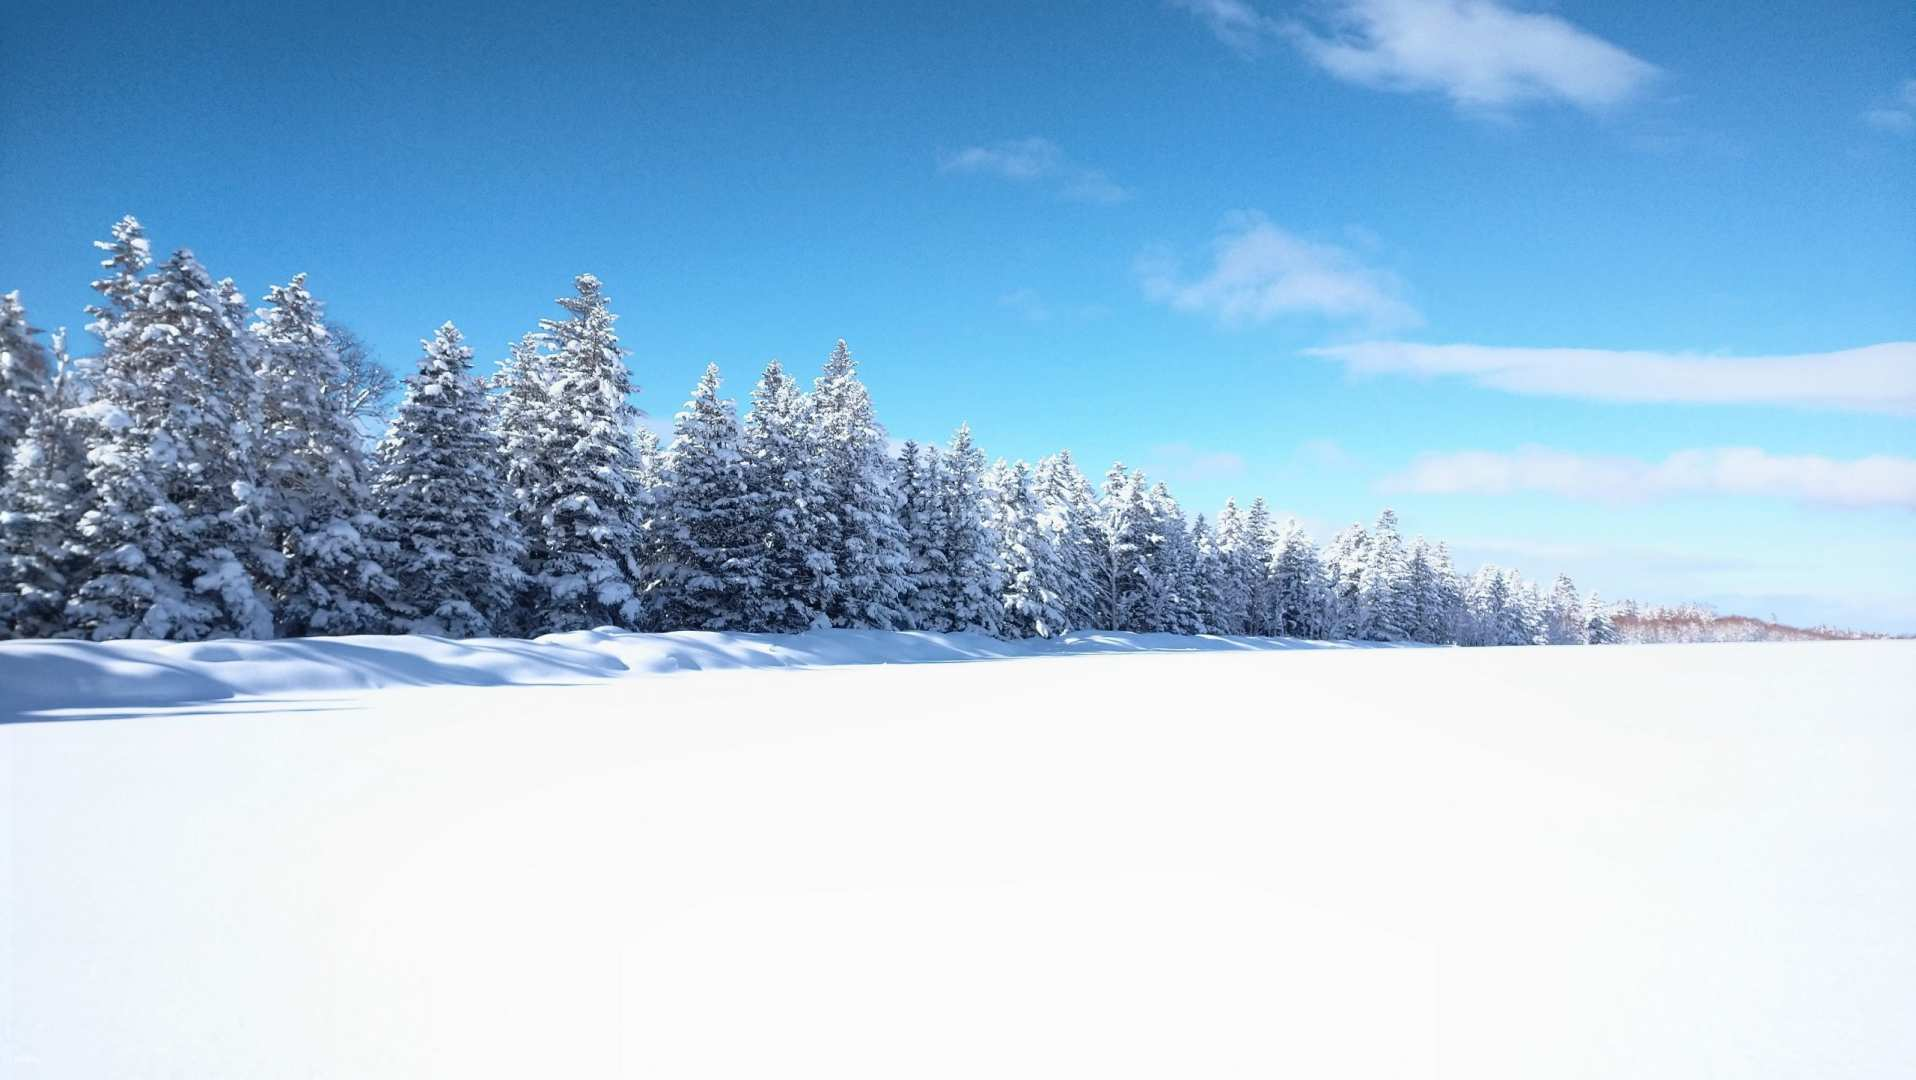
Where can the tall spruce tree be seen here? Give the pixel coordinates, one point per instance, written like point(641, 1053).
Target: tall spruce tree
point(1299, 596)
point(42, 495)
point(26, 369)
point(1028, 568)
point(866, 541)
point(439, 489)
point(171, 537)
point(709, 550)
point(1383, 614)
point(1071, 517)
point(583, 520)
point(793, 518)
point(521, 400)
point(970, 590)
point(919, 483)
point(316, 504)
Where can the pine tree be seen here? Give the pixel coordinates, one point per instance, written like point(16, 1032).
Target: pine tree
point(707, 516)
point(649, 552)
point(970, 592)
point(314, 478)
point(1381, 602)
point(1122, 571)
point(583, 523)
point(521, 401)
point(1027, 566)
point(792, 518)
point(26, 368)
point(439, 489)
point(1173, 568)
point(1452, 617)
point(172, 534)
point(867, 544)
point(1597, 627)
point(919, 484)
point(1071, 516)
point(1422, 600)
point(1344, 563)
point(1299, 595)
point(1206, 577)
point(41, 500)
point(1237, 570)
point(1254, 562)
point(1563, 613)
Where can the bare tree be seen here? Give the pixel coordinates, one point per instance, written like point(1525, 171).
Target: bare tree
point(367, 393)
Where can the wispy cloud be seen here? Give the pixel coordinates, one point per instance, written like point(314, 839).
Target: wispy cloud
point(1480, 54)
point(1859, 483)
point(1036, 160)
point(1899, 116)
point(1182, 462)
point(1260, 272)
point(1874, 378)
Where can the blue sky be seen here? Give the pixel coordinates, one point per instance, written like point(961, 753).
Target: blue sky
point(1217, 239)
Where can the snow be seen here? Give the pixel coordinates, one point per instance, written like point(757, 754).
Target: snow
point(46, 678)
point(1642, 861)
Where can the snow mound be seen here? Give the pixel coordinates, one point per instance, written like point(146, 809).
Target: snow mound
point(41, 675)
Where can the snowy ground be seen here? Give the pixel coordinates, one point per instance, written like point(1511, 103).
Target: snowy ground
point(1655, 861)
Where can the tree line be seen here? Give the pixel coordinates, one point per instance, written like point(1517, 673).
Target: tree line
point(205, 475)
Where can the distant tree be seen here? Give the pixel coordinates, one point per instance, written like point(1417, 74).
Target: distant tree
point(865, 539)
point(26, 369)
point(171, 539)
point(970, 601)
point(315, 501)
point(709, 551)
point(792, 515)
point(439, 488)
point(41, 499)
point(365, 388)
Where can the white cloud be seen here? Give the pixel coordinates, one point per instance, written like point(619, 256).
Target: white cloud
point(1182, 462)
point(1261, 272)
point(1875, 481)
point(1874, 378)
point(1899, 117)
point(1480, 54)
point(1034, 160)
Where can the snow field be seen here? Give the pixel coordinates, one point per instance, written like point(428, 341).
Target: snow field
point(1627, 861)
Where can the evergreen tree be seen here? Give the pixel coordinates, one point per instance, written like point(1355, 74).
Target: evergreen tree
point(1563, 613)
point(867, 544)
point(1344, 563)
point(1206, 577)
point(792, 519)
point(649, 483)
point(521, 401)
point(438, 488)
point(970, 590)
point(313, 477)
point(41, 500)
point(25, 370)
point(1299, 596)
point(1122, 573)
point(583, 523)
point(1597, 627)
point(1173, 603)
point(919, 486)
point(1238, 566)
point(708, 545)
point(1451, 614)
point(1254, 565)
point(1071, 517)
point(171, 536)
point(1028, 567)
point(1383, 614)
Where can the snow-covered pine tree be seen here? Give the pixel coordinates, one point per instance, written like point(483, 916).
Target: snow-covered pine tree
point(1028, 568)
point(171, 536)
point(1597, 627)
point(1532, 610)
point(439, 490)
point(1344, 563)
point(1206, 576)
point(866, 542)
point(708, 518)
point(1237, 567)
point(649, 483)
point(919, 485)
point(1420, 595)
point(26, 369)
point(1299, 596)
point(315, 501)
point(970, 592)
point(521, 400)
point(42, 496)
point(1125, 527)
point(1452, 615)
point(1173, 568)
point(1383, 615)
point(1563, 613)
point(792, 520)
point(1071, 515)
point(583, 522)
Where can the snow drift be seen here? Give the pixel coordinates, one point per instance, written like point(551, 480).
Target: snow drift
point(42, 675)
